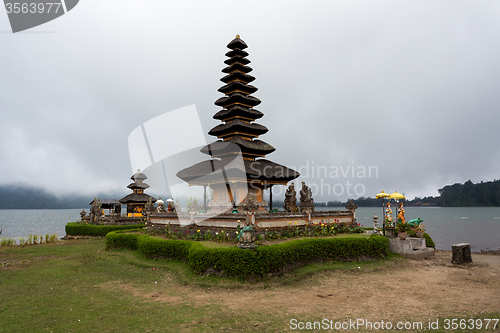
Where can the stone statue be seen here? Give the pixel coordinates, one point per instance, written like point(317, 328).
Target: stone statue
point(306, 200)
point(388, 215)
point(250, 207)
point(290, 199)
point(401, 214)
point(95, 211)
point(415, 222)
point(245, 238)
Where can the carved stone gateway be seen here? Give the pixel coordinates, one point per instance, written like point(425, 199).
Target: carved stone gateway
point(149, 207)
point(95, 211)
point(290, 199)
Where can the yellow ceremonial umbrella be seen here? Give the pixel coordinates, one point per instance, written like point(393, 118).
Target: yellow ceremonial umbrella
point(382, 195)
point(396, 196)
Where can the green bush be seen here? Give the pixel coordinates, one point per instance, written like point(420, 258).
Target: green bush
point(121, 239)
point(81, 229)
point(259, 261)
point(274, 258)
point(428, 241)
point(156, 247)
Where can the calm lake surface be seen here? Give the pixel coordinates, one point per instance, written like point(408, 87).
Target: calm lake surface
point(479, 226)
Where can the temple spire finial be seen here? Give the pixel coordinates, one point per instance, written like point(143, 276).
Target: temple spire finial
point(237, 36)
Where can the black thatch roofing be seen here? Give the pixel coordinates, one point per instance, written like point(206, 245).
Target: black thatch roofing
point(238, 110)
point(237, 98)
point(237, 67)
point(255, 147)
point(236, 52)
point(237, 43)
point(238, 125)
point(107, 201)
point(138, 176)
point(137, 198)
point(142, 186)
point(237, 58)
point(262, 170)
point(237, 86)
point(237, 76)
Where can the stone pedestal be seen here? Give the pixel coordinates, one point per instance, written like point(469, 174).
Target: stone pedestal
point(461, 253)
point(389, 232)
point(412, 248)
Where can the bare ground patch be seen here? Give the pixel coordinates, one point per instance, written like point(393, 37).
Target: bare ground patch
point(404, 289)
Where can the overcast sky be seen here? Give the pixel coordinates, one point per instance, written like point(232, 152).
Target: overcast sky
point(406, 89)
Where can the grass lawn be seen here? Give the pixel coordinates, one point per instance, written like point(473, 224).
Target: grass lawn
point(78, 286)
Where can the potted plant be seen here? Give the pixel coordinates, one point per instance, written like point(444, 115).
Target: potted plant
point(419, 231)
point(402, 229)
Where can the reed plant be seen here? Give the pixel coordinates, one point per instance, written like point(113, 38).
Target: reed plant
point(31, 240)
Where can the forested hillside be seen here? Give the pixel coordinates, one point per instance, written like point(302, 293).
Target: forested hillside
point(469, 194)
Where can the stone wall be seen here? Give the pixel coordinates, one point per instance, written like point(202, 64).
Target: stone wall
point(273, 221)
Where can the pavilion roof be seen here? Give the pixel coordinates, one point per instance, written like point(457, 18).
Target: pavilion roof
point(262, 170)
point(137, 198)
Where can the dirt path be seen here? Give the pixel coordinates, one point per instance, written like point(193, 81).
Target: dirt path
point(404, 289)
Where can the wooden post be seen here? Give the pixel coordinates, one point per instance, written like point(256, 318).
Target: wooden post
point(270, 198)
point(461, 253)
point(205, 198)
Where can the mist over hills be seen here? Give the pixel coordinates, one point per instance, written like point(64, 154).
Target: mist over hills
point(468, 194)
point(23, 196)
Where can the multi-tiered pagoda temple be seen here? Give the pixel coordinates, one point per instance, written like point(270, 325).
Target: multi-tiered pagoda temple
point(137, 200)
point(238, 134)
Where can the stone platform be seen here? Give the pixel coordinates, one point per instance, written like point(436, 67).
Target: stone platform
point(411, 248)
point(271, 221)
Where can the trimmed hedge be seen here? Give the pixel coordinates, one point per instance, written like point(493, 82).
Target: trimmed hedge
point(273, 258)
point(120, 239)
point(156, 247)
point(259, 261)
point(80, 229)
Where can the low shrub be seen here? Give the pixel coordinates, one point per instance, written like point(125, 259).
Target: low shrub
point(82, 229)
point(428, 241)
point(121, 239)
point(259, 261)
point(156, 247)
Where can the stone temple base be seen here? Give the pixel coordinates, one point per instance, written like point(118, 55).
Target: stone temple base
point(262, 221)
point(411, 248)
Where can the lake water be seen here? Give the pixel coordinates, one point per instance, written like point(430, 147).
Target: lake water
point(479, 226)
